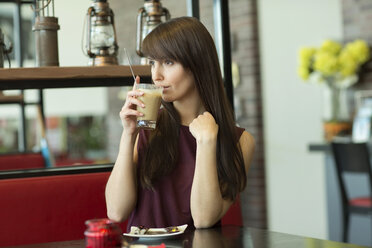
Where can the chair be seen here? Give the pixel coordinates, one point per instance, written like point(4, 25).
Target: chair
point(352, 158)
point(21, 161)
point(233, 216)
point(50, 208)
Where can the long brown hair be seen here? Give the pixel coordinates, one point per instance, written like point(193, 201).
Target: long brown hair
point(187, 41)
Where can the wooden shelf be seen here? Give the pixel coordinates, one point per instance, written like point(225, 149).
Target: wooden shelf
point(10, 99)
point(66, 77)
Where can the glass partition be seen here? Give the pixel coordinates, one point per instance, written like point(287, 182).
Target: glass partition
point(23, 49)
point(82, 124)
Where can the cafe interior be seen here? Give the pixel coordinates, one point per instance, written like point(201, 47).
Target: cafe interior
point(297, 73)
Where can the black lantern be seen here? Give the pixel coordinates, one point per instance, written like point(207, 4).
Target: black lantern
point(101, 42)
point(149, 16)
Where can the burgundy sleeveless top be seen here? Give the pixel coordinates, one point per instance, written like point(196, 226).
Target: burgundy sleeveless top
point(169, 203)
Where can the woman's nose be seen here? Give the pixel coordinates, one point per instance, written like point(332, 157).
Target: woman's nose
point(156, 73)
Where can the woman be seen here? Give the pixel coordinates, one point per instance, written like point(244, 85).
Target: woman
point(191, 168)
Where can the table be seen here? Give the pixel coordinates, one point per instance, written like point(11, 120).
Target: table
point(224, 237)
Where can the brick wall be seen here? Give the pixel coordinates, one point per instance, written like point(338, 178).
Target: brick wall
point(247, 100)
point(357, 19)
point(247, 92)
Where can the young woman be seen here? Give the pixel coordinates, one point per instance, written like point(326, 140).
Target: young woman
point(190, 169)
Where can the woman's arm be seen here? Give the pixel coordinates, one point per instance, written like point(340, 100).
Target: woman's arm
point(121, 188)
point(207, 204)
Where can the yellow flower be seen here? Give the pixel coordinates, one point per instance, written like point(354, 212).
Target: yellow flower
point(359, 50)
point(326, 63)
point(332, 61)
point(348, 65)
point(303, 72)
point(330, 46)
point(306, 55)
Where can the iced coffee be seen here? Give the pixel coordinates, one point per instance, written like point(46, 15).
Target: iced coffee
point(152, 100)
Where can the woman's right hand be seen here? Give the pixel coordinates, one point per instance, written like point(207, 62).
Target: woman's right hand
point(129, 113)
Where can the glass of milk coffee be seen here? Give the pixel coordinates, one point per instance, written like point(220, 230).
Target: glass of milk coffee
point(152, 100)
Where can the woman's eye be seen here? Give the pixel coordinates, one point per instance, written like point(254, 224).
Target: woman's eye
point(168, 62)
point(151, 62)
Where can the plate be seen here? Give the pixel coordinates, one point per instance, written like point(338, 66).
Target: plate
point(155, 232)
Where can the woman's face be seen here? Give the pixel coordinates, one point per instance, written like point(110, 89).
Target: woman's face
point(177, 82)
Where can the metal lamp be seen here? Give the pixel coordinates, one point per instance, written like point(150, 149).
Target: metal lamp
point(4, 50)
point(101, 42)
point(45, 29)
point(149, 16)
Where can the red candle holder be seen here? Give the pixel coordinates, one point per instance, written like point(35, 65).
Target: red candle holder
point(102, 233)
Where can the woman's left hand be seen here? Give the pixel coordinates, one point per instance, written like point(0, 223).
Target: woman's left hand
point(204, 128)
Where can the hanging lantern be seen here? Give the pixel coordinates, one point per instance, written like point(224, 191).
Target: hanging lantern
point(149, 16)
point(4, 50)
point(101, 43)
point(45, 29)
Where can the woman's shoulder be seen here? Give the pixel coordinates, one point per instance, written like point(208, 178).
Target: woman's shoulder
point(246, 138)
point(239, 131)
point(247, 145)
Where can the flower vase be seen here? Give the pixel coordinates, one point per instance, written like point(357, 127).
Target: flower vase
point(336, 111)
